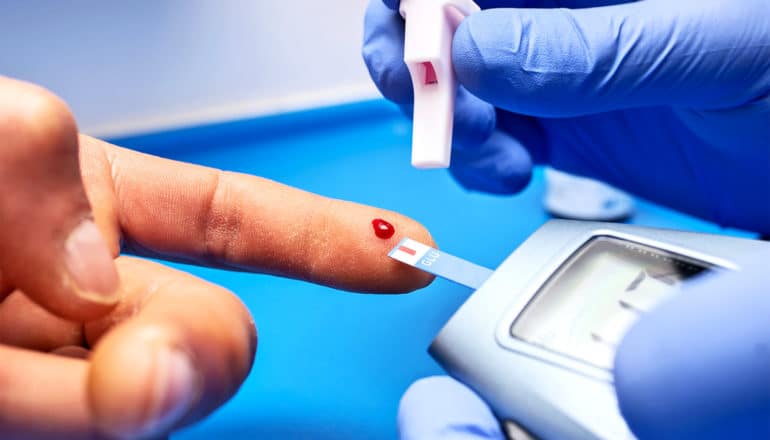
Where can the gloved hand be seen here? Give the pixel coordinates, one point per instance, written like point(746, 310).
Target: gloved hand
point(667, 100)
point(698, 366)
point(441, 408)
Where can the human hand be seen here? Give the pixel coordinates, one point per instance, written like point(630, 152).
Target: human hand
point(667, 100)
point(695, 367)
point(441, 408)
point(94, 344)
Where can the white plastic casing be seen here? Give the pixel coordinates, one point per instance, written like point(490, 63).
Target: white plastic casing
point(430, 27)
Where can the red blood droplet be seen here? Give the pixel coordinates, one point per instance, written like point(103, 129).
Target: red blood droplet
point(383, 229)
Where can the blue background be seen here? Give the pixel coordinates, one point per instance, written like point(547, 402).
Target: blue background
point(330, 364)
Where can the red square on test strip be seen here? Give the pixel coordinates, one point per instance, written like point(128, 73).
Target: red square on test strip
point(409, 251)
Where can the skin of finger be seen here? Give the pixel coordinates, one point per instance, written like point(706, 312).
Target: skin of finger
point(5, 288)
point(43, 396)
point(167, 308)
point(43, 198)
point(97, 179)
point(72, 351)
point(186, 212)
point(25, 324)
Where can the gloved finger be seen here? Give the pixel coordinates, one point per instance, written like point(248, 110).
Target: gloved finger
point(501, 165)
point(473, 122)
point(26, 324)
point(567, 62)
point(383, 52)
point(488, 4)
point(42, 397)
point(708, 352)
point(528, 131)
point(172, 352)
point(52, 249)
point(392, 4)
point(440, 408)
point(186, 212)
point(383, 45)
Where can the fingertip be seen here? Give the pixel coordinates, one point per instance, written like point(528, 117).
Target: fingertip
point(426, 392)
point(405, 278)
point(393, 81)
point(362, 263)
point(177, 349)
point(141, 386)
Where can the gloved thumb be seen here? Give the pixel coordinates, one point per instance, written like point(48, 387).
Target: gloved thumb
point(703, 54)
point(697, 366)
point(440, 408)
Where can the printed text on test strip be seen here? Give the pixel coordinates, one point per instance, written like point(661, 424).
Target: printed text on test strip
point(440, 263)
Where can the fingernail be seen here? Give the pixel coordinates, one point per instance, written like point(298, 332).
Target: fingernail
point(173, 394)
point(90, 263)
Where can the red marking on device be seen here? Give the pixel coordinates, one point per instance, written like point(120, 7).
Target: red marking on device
point(383, 229)
point(407, 250)
point(430, 73)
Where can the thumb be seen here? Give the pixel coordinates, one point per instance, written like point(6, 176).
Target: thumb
point(440, 408)
point(567, 62)
point(697, 366)
point(51, 248)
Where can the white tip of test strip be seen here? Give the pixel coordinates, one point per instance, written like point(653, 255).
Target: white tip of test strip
point(440, 263)
point(430, 27)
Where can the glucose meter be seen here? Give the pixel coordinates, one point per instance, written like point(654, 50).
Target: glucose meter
point(537, 338)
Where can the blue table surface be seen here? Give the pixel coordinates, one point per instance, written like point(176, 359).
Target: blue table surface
point(331, 364)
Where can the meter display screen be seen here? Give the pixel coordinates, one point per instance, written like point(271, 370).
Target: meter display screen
point(587, 305)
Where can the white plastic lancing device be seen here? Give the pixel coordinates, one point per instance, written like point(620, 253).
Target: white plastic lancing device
point(430, 26)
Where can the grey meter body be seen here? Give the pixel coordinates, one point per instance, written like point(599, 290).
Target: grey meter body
point(537, 339)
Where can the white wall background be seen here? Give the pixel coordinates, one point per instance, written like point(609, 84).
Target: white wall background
point(142, 65)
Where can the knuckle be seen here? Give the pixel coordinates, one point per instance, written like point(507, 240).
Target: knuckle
point(221, 222)
point(35, 121)
point(319, 263)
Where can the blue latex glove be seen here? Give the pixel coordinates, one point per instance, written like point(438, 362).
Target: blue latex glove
point(697, 367)
point(665, 99)
point(441, 408)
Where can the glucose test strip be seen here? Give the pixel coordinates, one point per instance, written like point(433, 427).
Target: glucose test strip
point(440, 263)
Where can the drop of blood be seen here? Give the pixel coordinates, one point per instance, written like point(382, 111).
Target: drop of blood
point(383, 229)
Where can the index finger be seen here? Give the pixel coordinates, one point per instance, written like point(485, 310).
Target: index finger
point(179, 211)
